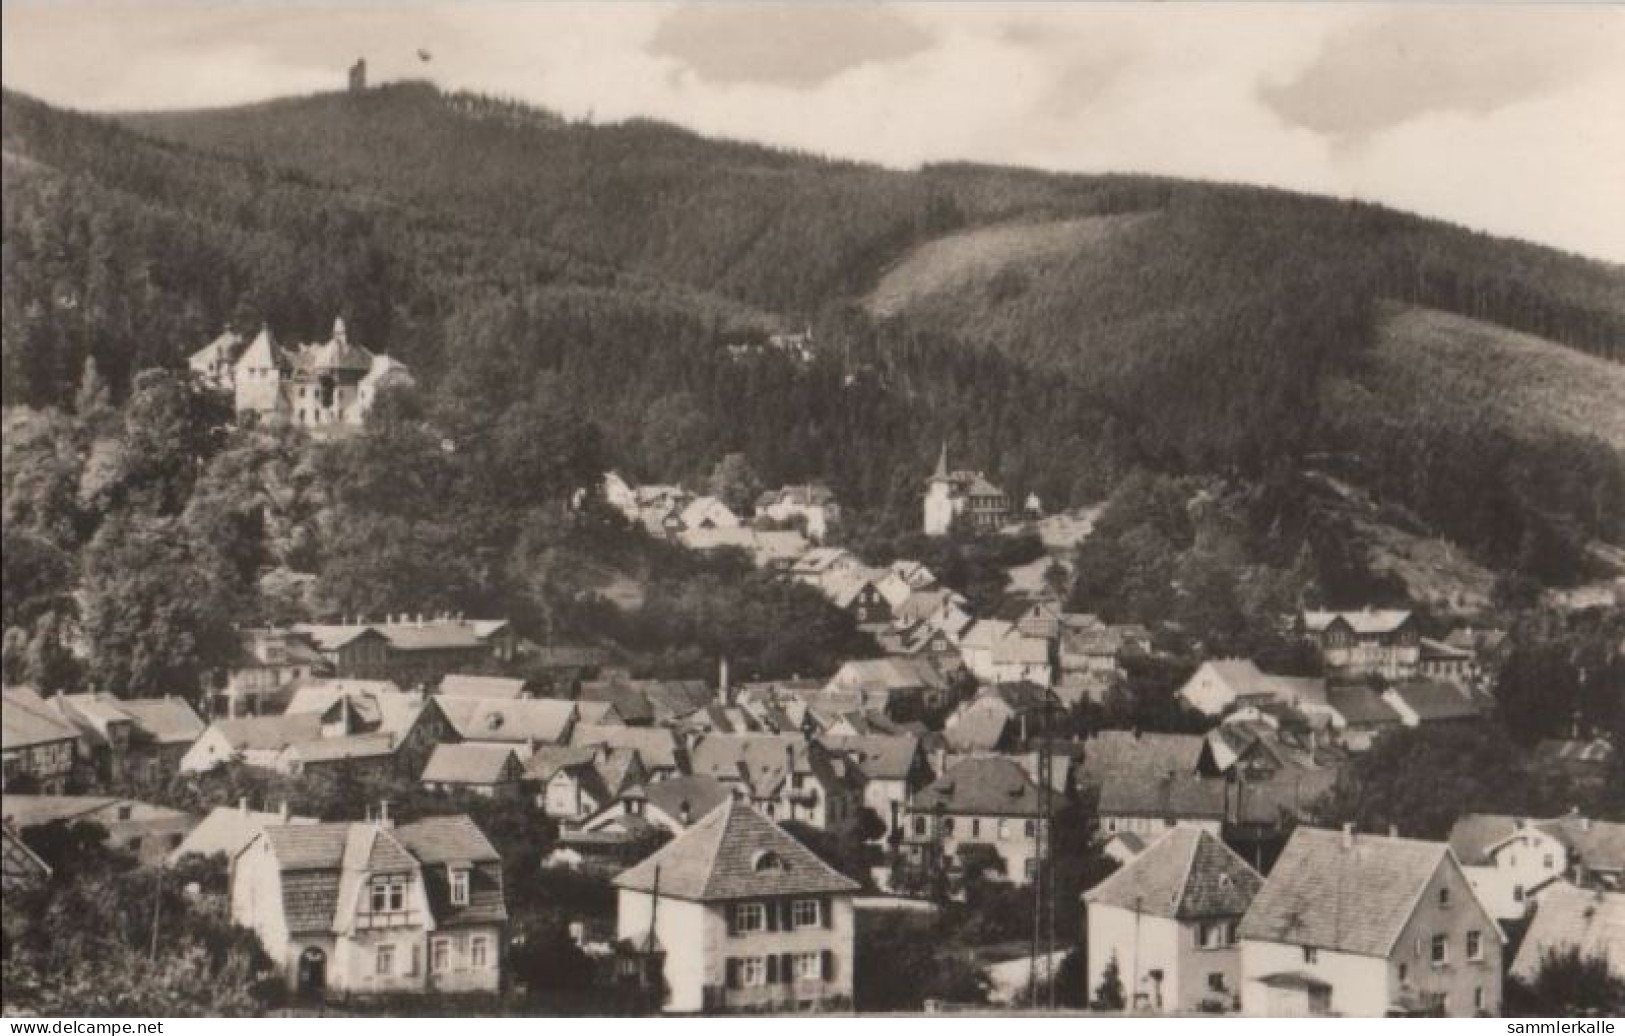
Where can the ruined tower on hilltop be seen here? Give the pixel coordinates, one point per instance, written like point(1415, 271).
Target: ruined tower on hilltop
point(358, 76)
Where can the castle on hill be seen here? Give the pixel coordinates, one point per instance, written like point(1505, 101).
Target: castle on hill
point(311, 385)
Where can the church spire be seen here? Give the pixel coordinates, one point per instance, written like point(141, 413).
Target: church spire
point(942, 464)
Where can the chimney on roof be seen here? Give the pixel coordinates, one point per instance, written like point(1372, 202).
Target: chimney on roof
point(1348, 836)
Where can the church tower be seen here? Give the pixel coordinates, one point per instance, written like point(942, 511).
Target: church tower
point(939, 497)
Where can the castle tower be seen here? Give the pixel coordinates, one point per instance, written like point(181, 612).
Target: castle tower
point(358, 76)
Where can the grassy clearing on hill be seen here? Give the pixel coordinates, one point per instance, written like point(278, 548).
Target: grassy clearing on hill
point(1425, 357)
point(974, 257)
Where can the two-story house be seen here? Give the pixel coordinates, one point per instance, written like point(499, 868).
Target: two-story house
point(268, 661)
point(1368, 926)
point(37, 743)
point(983, 812)
point(783, 775)
point(371, 908)
point(1381, 642)
point(1507, 860)
point(131, 737)
point(572, 782)
point(1168, 918)
point(894, 767)
point(741, 917)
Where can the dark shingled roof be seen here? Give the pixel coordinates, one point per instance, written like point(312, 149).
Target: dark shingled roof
point(1176, 797)
point(1432, 700)
point(1353, 898)
point(735, 853)
point(1186, 873)
point(1361, 706)
point(990, 786)
point(700, 794)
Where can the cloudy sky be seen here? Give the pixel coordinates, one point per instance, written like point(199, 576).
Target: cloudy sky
point(1508, 118)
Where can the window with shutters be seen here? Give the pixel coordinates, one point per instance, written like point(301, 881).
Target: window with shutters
point(752, 971)
point(804, 914)
point(749, 917)
point(809, 967)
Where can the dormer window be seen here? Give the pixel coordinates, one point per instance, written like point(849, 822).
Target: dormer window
point(388, 893)
point(459, 887)
point(767, 861)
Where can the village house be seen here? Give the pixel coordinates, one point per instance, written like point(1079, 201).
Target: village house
point(37, 743)
point(1596, 850)
point(1431, 702)
point(1219, 685)
point(521, 723)
point(901, 687)
point(770, 549)
point(821, 563)
point(412, 650)
point(1438, 660)
point(1031, 617)
point(371, 908)
point(1367, 926)
point(642, 703)
point(976, 646)
point(707, 512)
point(856, 592)
point(1361, 715)
point(1168, 918)
point(267, 663)
point(1367, 642)
point(1507, 860)
point(254, 740)
point(1097, 649)
point(784, 776)
point(145, 831)
point(672, 806)
point(738, 916)
point(1148, 805)
point(332, 383)
point(484, 769)
point(130, 738)
point(982, 813)
point(1139, 754)
point(574, 782)
point(226, 829)
point(962, 495)
point(811, 506)
point(660, 750)
point(1000, 717)
point(894, 767)
point(1568, 918)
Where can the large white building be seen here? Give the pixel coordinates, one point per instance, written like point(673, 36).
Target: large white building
point(331, 383)
point(962, 494)
point(739, 916)
point(1168, 918)
point(1367, 926)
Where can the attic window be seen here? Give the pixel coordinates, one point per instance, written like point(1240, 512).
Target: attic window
point(767, 861)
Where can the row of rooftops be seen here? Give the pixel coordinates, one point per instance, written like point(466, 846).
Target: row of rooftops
point(92, 719)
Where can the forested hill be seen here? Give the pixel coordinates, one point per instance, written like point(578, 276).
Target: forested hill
point(1057, 329)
